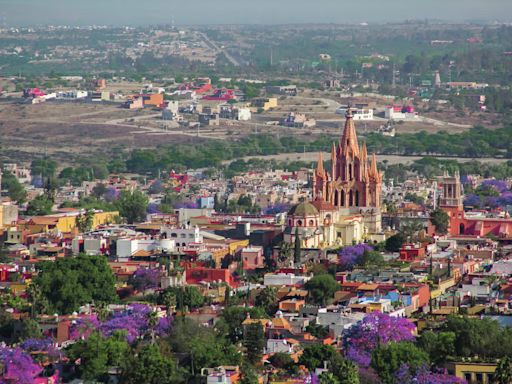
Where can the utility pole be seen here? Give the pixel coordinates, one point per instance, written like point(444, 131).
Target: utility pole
point(394, 77)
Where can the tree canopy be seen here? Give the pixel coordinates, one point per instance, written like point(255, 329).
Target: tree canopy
point(68, 283)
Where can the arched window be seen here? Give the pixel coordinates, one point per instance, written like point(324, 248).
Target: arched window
point(311, 222)
point(351, 199)
point(357, 198)
point(350, 171)
point(342, 198)
point(299, 223)
point(174, 234)
point(462, 228)
point(289, 222)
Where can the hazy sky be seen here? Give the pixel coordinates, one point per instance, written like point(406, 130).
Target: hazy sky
point(142, 12)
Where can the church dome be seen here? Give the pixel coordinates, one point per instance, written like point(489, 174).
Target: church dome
point(303, 209)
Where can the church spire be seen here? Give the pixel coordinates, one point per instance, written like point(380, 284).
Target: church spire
point(364, 162)
point(364, 152)
point(320, 166)
point(374, 172)
point(349, 144)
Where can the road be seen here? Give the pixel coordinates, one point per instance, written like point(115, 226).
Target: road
point(214, 45)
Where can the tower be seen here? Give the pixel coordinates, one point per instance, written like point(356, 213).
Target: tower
point(452, 192)
point(353, 181)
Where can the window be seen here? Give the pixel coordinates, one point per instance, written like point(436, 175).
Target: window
point(183, 235)
point(311, 222)
point(467, 377)
point(299, 223)
point(174, 234)
point(191, 236)
point(479, 378)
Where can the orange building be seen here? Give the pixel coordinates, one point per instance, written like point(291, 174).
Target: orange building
point(150, 100)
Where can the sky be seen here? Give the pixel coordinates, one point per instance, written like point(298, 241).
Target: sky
point(188, 12)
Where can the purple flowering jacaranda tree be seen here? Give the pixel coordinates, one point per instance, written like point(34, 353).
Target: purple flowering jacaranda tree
point(375, 329)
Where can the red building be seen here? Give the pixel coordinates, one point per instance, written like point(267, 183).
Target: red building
point(412, 252)
point(199, 275)
point(470, 223)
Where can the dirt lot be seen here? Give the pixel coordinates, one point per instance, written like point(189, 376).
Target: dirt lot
point(70, 130)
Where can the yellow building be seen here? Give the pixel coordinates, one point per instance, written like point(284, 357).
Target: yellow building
point(265, 103)
point(473, 373)
point(67, 222)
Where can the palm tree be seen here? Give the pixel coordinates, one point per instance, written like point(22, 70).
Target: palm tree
point(38, 302)
point(102, 312)
point(169, 300)
point(503, 374)
point(152, 323)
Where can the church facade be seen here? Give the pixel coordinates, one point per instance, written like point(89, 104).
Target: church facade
point(353, 180)
point(346, 199)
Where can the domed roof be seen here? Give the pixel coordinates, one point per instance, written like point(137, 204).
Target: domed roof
point(303, 209)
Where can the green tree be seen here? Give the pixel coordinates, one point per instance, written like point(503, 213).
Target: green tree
point(283, 361)
point(328, 378)
point(317, 330)
point(99, 191)
point(503, 373)
point(387, 360)
point(371, 259)
point(132, 205)
point(297, 248)
point(440, 220)
point(85, 221)
point(316, 355)
point(30, 329)
point(188, 297)
point(438, 345)
point(150, 366)
point(395, 242)
point(200, 346)
point(321, 289)
point(97, 354)
point(345, 371)
point(38, 303)
point(71, 282)
point(254, 342)
point(285, 252)
point(230, 323)
point(267, 299)
point(249, 375)
point(15, 190)
point(45, 167)
point(41, 205)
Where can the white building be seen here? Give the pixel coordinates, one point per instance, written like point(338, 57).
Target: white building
point(126, 247)
point(280, 279)
point(359, 114)
point(183, 237)
point(337, 321)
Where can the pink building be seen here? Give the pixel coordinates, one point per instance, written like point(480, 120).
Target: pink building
point(252, 258)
